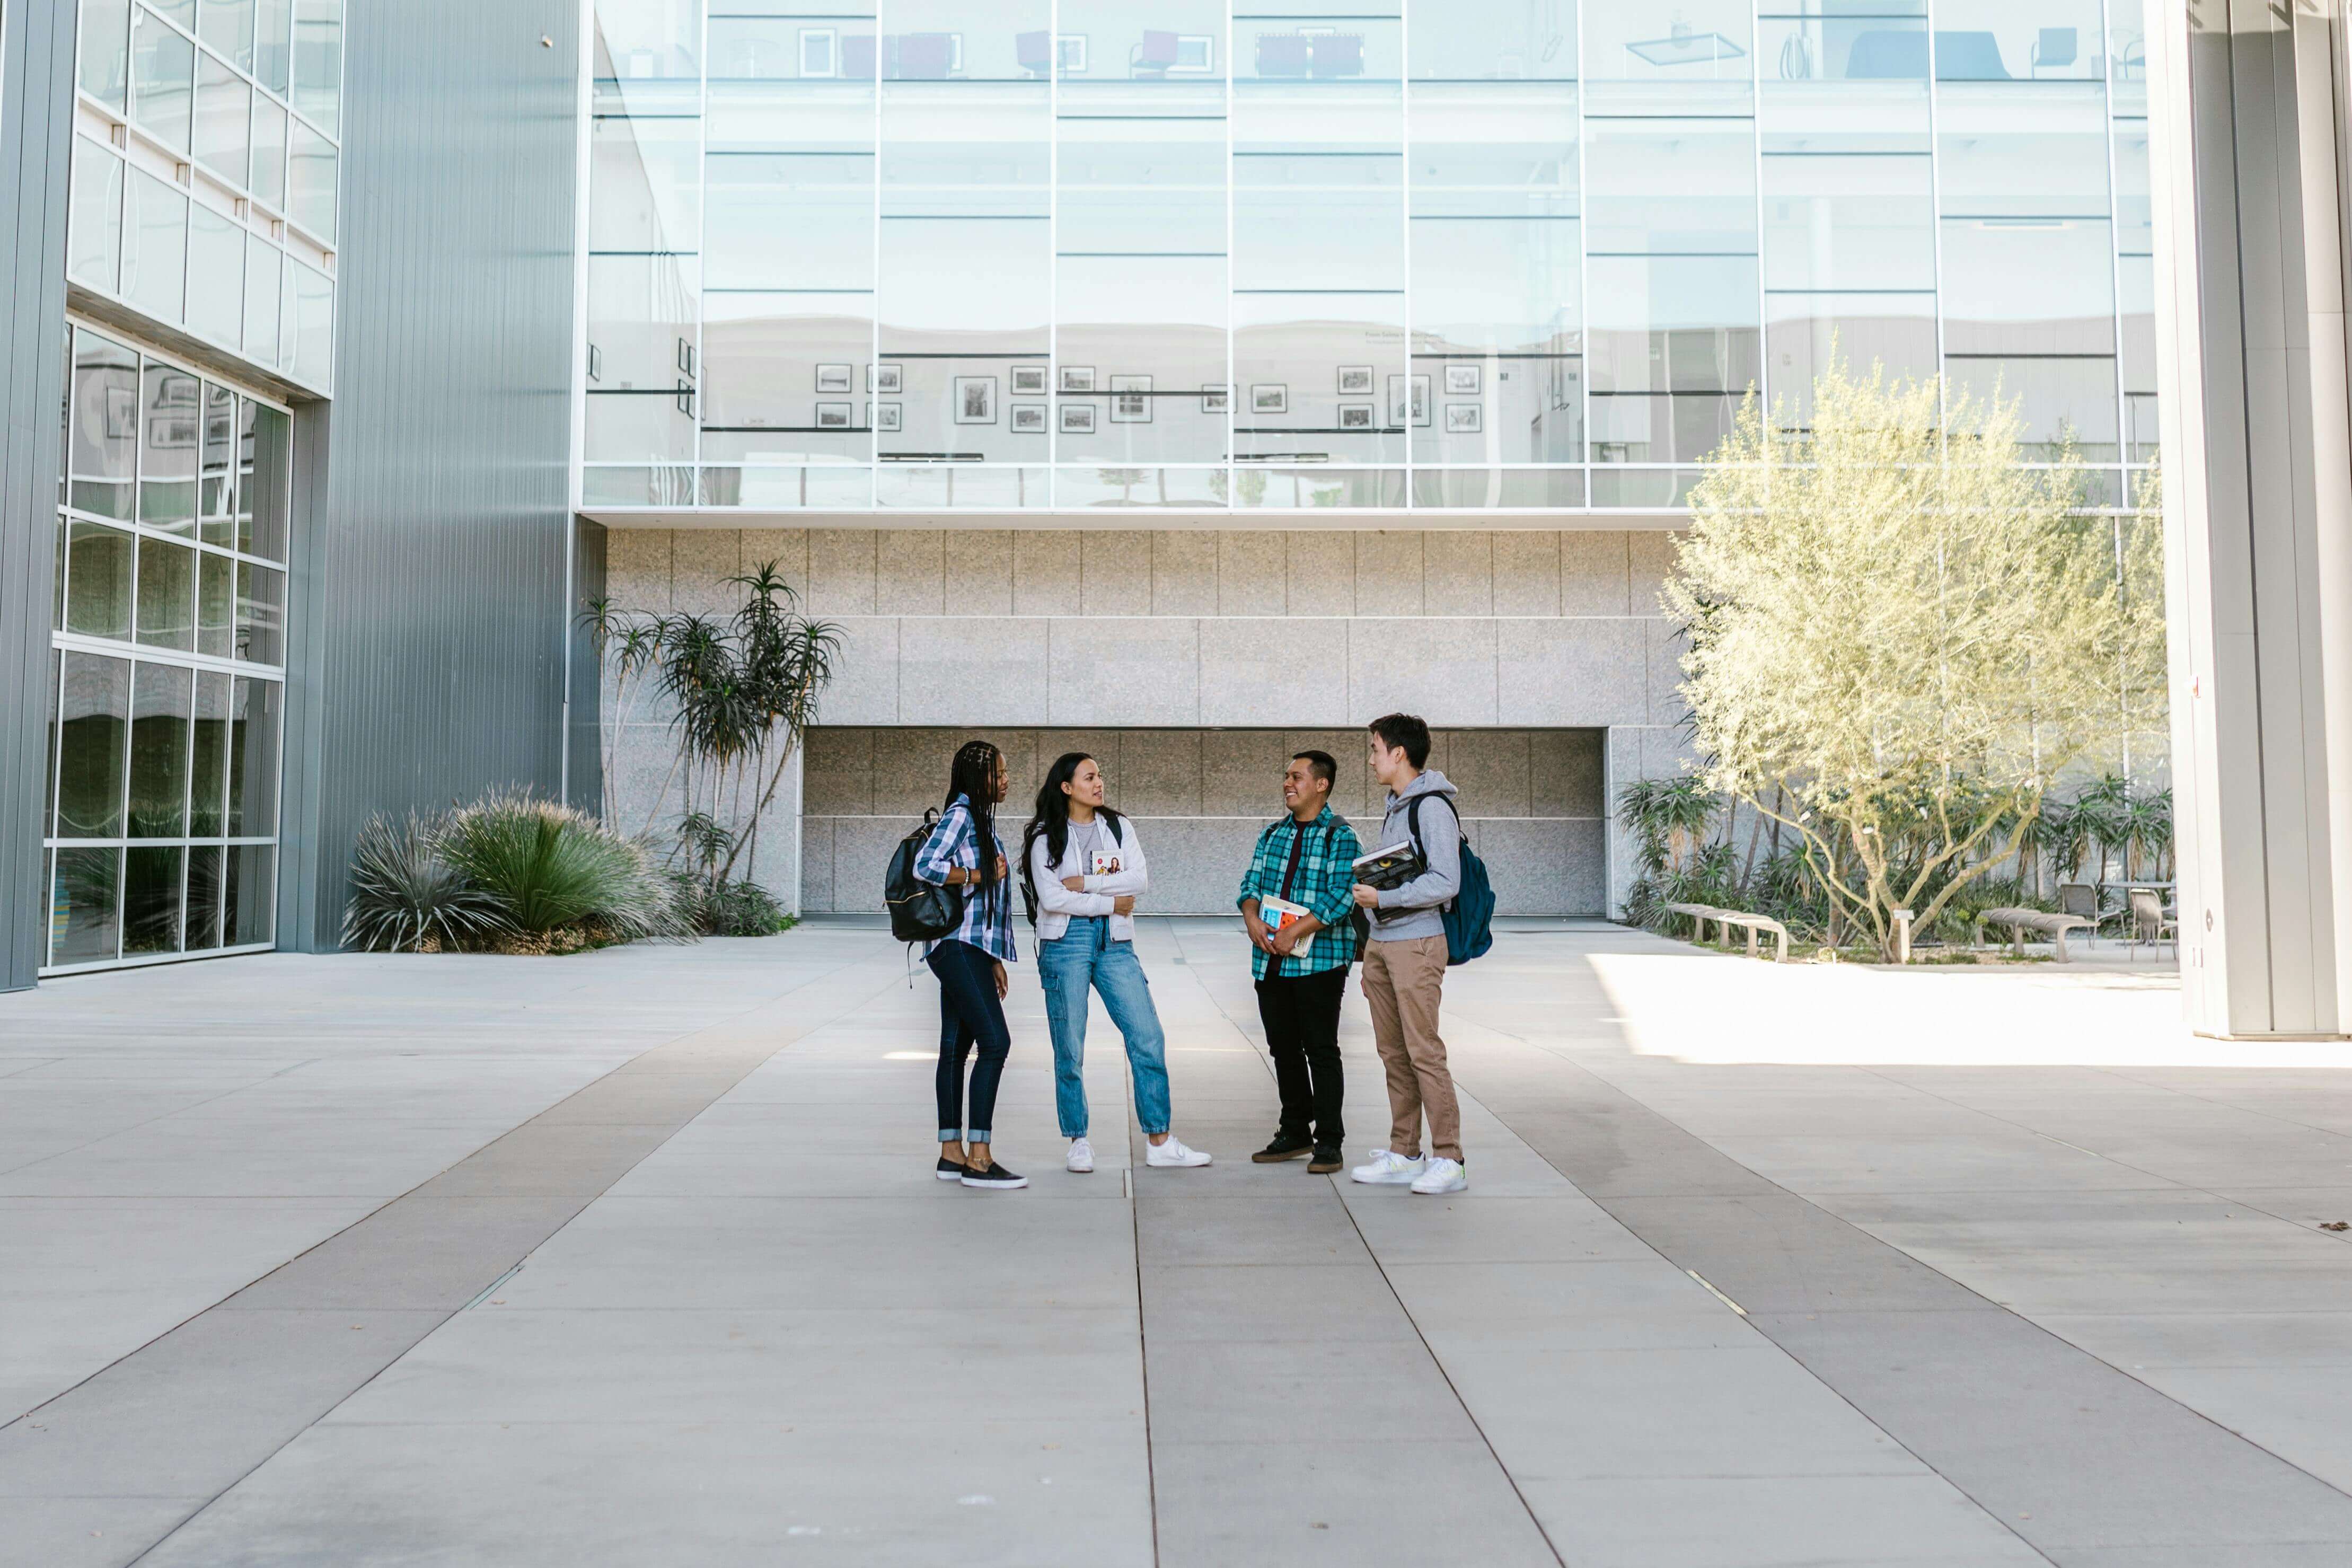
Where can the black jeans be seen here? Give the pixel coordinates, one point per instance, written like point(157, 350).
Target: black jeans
point(1302, 1032)
point(970, 1015)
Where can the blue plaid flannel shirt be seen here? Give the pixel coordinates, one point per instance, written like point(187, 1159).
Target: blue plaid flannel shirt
point(987, 912)
point(1325, 886)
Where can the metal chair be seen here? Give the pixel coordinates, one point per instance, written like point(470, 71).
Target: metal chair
point(2081, 898)
point(2149, 923)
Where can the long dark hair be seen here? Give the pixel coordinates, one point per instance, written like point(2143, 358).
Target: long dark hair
point(973, 776)
point(1051, 820)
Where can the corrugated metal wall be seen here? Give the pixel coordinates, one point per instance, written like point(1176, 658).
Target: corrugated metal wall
point(429, 640)
point(37, 42)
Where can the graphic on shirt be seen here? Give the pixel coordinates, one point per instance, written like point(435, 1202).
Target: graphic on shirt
point(1104, 863)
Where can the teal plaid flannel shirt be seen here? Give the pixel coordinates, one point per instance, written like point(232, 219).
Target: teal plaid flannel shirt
point(1325, 885)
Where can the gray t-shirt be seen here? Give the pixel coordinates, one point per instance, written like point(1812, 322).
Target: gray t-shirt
point(1086, 838)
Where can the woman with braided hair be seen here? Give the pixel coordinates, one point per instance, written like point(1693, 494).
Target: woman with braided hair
point(964, 851)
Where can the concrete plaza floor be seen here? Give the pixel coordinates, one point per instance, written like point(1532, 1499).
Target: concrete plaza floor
point(636, 1257)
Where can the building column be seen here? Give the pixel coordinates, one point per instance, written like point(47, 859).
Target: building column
point(2246, 129)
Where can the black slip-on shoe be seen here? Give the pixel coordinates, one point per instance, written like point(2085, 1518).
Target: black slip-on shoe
point(951, 1170)
point(996, 1178)
point(1327, 1159)
point(1285, 1146)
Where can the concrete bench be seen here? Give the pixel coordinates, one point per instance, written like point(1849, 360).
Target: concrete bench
point(1700, 914)
point(2020, 922)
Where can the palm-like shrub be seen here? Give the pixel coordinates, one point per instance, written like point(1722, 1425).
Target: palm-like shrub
point(550, 868)
point(406, 897)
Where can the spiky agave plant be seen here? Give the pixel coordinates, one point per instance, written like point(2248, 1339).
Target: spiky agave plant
point(550, 868)
point(404, 894)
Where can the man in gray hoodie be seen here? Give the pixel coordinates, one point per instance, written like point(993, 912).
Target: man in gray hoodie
point(1404, 964)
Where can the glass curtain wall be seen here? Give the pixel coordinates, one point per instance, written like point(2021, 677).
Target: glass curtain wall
point(1118, 253)
point(205, 177)
point(168, 662)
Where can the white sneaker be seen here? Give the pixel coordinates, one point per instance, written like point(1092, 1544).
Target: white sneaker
point(1388, 1169)
point(1172, 1153)
point(1082, 1156)
point(1442, 1175)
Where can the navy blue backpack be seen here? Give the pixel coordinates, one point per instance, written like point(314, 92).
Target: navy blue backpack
point(1469, 915)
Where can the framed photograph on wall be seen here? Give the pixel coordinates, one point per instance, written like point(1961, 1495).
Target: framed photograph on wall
point(1130, 400)
point(1463, 419)
point(820, 51)
point(1355, 380)
point(1028, 381)
point(1078, 419)
point(121, 412)
point(833, 378)
point(890, 415)
point(833, 416)
point(975, 400)
point(1029, 419)
point(889, 378)
point(1355, 416)
point(1408, 400)
point(1215, 397)
point(1461, 381)
point(1270, 397)
point(1070, 50)
point(1077, 378)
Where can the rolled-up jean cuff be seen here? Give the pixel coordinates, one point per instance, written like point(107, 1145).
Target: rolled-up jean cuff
point(1156, 1131)
point(976, 1135)
point(951, 1135)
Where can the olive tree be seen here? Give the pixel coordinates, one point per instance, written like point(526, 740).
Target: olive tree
point(1898, 634)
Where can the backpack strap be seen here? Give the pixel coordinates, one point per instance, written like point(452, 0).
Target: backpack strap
point(1412, 825)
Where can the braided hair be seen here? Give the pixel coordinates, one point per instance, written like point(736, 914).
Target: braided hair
point(973, 776)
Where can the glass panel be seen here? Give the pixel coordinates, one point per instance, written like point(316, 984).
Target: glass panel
point(1849, 223)
point(789, 378)
point(91, 747)
point(208, 774)
point(203, 919)
point(104, 51)
point(2022, 152)
point(318, 61)
point(98, 600)
point(641, 314)
point(266, 443)
point(94, 219)
point(2127, 56)
point(1480, 488)
point(217, 473)
point(85, 908)
point(782, 220)
point(1802, 333)
point(2136, 279)
point(270, 153)
point(227, 26)
point(216, 604)
point(1840, 48)
point(646, 180)
point(173, 421)
point(2135, 215)
point(250, 899)
point(1094, 488)
point(1671, 187)
point(650, 487)
point(224, 120)
point(162, 80)
point(930, 40)
point(101, 443)
point(312, 316)
point(1319, 220)
point(1490, 43)
point(1111, 50)
point(2002, 40)
point(1509, 285)
point(641, 40)
point(643, 426)
point(260, 613)
point(253, 759)
point(311, 179)
point(167, 594)
point(1677, 57)
point(183, 12)
point(1302, 362)
point(1148, 334)
point(216, 275)
point(2056, 398)
point(1653, 489)
point(1302, 487)
point(273, 43)
point(154, 247)
point(161, 707)
point(1480, 411)
point(2021, 286)
point(1669, 323)
point(264, 263)
point(58, 602)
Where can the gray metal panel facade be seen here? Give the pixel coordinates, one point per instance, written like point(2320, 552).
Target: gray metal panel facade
point(37, 42)
point(429, 637)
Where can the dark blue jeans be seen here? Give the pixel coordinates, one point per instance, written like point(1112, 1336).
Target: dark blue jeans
point(970, 1015)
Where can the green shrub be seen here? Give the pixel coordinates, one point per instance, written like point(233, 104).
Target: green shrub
point(550, 868)
point(405, 897)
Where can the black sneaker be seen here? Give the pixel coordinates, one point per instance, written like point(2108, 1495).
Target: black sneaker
point(1327, 1159)
point(996, 1177)
point(951, 1170)
point(1285, 1146)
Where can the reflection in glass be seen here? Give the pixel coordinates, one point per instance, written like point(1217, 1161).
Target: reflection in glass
point(171, 425)
point(253, 759)
point(154, 247)
point(249, 895)
point(167, 594)
point(265, 445)
point(224, 120)
point(310, 183)
point(642, 320)
point(310, 318)
point(97, 595)
point(2028, 286)
point(226, 28)
point(103, 51)
point(1848, 223)
point(260, 613)
point(318, 61)
point(94, 216)
point(638, 40)
point(2023, 40)
point(151, 900)
point(788, 378)
point(216, 604)
point(216, 471)
point(269, 153)
point(2022, 152)
point(208, 767)
point(161, 709)
point(85, 903)
point(101, 440)
point(96, 705)
point(1668, 57)
point(206, 872)
point(273, 44)
point(162, 80)
point(1802, 331)
point(264, 265)
point(216, 275)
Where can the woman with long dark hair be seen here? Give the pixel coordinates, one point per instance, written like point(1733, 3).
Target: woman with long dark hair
point(1083, 865)
point(964, 851)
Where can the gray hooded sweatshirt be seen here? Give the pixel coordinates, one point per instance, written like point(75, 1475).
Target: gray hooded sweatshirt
point(1412, 910)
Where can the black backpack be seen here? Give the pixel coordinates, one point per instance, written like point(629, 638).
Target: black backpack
point(919, 910)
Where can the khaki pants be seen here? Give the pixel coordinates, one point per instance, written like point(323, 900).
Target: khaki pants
point(1402, 980)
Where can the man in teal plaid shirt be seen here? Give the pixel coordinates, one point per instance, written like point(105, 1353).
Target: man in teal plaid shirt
point(1305, 859)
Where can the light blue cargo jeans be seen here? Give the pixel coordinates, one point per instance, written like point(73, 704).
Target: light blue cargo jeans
point(1084, 958)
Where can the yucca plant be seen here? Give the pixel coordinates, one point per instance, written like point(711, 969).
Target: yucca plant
point(405, 896)
point(550, 868)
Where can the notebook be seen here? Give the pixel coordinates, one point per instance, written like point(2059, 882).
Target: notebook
point(1279, 912)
